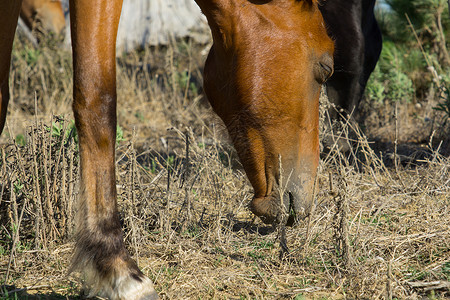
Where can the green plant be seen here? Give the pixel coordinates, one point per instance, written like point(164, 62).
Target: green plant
point(389, 80)
point(375, 89)
point(71, 133)
point(20, 140)
point(444, 105)
point(31, 55)
point(429, 19)
point(184, 81)
point(446, 269)
point(119, 135)
point(415, 34)
point(18, 186)
point(263, 244)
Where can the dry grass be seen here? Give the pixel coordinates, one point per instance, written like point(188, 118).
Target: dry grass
point(380, 230)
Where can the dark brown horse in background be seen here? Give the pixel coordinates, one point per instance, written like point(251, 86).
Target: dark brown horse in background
point(263, 77)
point(354, 29)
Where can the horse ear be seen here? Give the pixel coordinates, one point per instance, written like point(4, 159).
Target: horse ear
point(210, 7)
point(216, 11)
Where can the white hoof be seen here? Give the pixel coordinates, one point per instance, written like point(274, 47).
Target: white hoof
point(131, 287)
point(126, 286)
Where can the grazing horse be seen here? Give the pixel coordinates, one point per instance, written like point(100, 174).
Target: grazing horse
point(358, 43)
point(263, 77)
point(43, 15)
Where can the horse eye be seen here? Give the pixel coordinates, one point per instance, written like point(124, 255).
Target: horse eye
point(323, 70)
point(328, 69)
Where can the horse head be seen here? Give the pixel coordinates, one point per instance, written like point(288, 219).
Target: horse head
point(263, 78)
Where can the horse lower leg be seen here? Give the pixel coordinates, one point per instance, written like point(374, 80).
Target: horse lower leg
point(100, 250)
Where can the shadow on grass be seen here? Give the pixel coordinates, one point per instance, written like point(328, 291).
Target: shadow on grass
point(251, 227)
point(10, 292)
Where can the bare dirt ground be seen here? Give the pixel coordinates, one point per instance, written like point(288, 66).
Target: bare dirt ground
point(380, 230)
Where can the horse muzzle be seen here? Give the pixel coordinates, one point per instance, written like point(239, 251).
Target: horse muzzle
point(287, 202)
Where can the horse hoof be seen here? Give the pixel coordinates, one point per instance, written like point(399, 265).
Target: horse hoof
point(131, 288)
point(123, 288)
point(152, 296)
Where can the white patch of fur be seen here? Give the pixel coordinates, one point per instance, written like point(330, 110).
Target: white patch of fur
point(129, 288)
point(119, 286)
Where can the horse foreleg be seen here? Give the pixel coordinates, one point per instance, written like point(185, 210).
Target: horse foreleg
point(100, 252)
point(9, 13)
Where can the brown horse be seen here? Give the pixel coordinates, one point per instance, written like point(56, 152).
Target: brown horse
point(43, 15)
point(263, 77)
